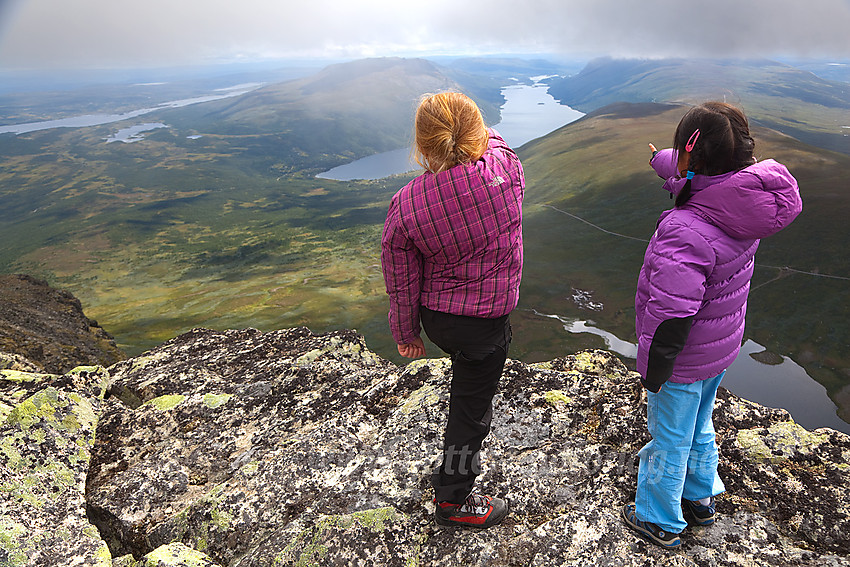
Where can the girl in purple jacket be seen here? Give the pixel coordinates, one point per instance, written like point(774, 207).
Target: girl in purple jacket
point(691, 303)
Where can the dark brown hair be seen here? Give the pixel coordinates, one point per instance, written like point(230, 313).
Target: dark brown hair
point(724, 143)
point(449, 130)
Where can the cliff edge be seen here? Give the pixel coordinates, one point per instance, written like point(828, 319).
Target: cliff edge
point(48, 327)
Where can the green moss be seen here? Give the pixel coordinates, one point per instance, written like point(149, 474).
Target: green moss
point(589, 362)
point(251, 468)
point(11, 533)
point(85, 369)
point(375, 519)
point(308, 546)
point(310, 357)
point(214, 401)
point(20, 377)
point(166, 402)
point(9, 452)
point(41, 406)
point(221, 519)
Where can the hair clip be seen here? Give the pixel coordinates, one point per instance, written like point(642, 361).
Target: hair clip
point(692, 141)
point(690, 175)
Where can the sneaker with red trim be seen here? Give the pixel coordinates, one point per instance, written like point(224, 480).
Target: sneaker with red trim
point(478, 511)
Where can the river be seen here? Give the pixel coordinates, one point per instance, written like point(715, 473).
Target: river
point(782, 385)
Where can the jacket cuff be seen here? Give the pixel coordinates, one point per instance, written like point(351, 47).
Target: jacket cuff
point(652, 387)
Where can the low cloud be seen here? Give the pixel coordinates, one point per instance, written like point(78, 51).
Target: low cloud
point(59, 33)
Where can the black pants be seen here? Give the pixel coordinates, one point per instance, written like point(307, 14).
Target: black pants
point(478, 349)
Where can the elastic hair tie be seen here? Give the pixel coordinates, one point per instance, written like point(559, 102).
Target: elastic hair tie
point(690, 175)
point(692, 141)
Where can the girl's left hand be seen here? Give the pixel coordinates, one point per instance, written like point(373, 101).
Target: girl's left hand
point(653, 150)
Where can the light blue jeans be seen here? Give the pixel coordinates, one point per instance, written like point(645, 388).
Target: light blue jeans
point(681, 459)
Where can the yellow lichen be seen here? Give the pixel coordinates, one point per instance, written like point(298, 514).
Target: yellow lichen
point(166, 402)
point(214, 401)
point(556, 397)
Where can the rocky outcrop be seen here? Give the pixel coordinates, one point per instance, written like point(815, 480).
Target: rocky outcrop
point(48, 327)
point(243, 448)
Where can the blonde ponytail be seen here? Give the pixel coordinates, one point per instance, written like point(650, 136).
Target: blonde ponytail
point(449, 130)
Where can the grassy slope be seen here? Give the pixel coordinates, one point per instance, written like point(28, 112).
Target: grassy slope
point(596, 168)
point(155, 238)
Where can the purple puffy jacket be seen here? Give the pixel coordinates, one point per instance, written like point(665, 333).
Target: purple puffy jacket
point(692, 290)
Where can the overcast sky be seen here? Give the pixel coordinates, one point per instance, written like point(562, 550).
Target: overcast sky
point(130, 33)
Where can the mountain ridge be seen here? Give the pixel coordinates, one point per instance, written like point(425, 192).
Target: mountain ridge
point(774, 94)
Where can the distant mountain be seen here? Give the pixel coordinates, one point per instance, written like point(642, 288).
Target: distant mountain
point(507, 68)
point(592, 202)
point(346, 111)
point(791, 100)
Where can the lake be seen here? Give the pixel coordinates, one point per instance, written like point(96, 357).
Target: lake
point(528, 113)
point(98, 119)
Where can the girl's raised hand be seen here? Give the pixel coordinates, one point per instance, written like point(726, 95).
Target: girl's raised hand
point(652, 148)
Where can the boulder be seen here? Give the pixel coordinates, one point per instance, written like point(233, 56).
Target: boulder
point(288, 448)
point(241, 448)
point(47, 427)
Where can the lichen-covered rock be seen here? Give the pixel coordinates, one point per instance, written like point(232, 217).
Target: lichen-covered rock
point(47, 427)
point(288, 448)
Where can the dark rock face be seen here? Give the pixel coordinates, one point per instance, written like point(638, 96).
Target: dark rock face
point(242, 449)
point(48, 327)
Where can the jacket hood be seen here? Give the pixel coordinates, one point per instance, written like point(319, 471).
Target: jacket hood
point(752, 203)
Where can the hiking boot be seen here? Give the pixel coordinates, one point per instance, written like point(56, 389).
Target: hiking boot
point(478, 511)
point(649, 530)
point(701, 515)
